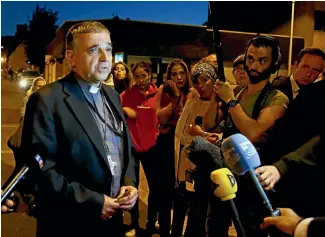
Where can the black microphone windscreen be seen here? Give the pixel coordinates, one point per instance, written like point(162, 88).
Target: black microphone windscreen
point(204, 154)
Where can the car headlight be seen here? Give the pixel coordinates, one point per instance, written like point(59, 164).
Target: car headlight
point(23, 83)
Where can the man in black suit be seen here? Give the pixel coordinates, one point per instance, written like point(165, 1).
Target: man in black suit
point(77, 126)
point(310, 63)
point(301, 169)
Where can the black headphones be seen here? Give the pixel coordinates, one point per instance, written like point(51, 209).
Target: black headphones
point(275, 48)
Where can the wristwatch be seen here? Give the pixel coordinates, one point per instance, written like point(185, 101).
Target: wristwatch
point(232, 103)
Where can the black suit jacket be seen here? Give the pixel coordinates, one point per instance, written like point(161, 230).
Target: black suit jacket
point(60, 127)
point(283, 84)
point(303, 120)
point(316, 227)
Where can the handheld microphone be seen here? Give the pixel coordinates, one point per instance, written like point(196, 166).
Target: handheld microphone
point(226, 188)
point(9, 187)
point(204, 154)
point(241, 156)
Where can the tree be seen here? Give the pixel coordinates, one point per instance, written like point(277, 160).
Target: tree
point(41, 31)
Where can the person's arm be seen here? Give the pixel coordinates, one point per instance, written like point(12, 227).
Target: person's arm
point(303, 155)
point(164, 113)
point(251, 128)
point(254, 129)
point(40, 136)
point(269, 175)
point(126, 108)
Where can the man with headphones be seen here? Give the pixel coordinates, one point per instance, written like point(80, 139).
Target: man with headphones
point(252, 111)
point(257, 106)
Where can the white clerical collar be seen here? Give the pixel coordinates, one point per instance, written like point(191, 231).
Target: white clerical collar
point(87, 86)
point(94, 89)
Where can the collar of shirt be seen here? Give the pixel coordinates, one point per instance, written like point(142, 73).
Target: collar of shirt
point(294, 85)
point(85, 85)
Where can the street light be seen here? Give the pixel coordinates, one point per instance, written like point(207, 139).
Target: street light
point(2, 59)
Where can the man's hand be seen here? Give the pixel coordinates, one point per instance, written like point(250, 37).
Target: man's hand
point(173, 86)
point(8, 203)
point(109, 208)
point(286, 223)
point(268, 176)
point(129, 112)
point(224, 91)
point(126, 202)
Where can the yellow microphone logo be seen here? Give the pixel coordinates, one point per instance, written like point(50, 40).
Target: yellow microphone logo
point(226, 185)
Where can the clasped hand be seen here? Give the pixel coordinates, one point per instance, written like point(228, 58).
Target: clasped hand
point(124, 201)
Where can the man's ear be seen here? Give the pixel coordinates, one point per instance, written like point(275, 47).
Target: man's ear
point(70, 56)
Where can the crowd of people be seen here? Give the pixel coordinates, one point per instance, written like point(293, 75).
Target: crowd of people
point(95, 126)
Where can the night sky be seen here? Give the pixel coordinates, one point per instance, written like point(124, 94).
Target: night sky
point(194, 13)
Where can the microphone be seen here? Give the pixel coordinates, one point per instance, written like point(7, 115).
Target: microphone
point(204, 154)
point(241, 156)
point(226, 188)
point(10, 186)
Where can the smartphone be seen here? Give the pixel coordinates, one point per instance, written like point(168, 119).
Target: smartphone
point(199, 121)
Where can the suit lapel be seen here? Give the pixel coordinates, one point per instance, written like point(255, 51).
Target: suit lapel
point(80, 109)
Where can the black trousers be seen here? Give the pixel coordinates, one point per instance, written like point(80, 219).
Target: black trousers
point(165, 172)
point(148, 161)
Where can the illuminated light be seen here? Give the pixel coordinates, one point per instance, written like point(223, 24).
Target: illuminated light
point(23, 83)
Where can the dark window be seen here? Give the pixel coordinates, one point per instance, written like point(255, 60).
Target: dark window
point(319, 20)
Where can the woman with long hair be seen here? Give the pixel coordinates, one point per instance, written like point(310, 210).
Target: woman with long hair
point(122, 77)
point(139, 106)
point(172, 96)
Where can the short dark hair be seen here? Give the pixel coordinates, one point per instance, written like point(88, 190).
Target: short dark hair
point(312, 51)
point(239, 60)
point(81, 28)
point(267, 41)
point(146, 66)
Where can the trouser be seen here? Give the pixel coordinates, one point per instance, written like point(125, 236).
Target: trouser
point(148, 161)
point(165, 170)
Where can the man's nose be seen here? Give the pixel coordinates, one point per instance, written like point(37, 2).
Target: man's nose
point(308, 73)
point(254, 65)
point(104, 55)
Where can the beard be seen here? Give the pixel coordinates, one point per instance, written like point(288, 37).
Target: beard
point(261, 76)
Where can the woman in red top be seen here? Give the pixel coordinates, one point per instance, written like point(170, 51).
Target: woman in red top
point(172, 96)
point(139, 106)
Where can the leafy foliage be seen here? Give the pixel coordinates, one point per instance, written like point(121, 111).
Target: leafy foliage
point(41, 31)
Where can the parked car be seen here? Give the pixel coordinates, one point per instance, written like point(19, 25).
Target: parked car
point(26, 78)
